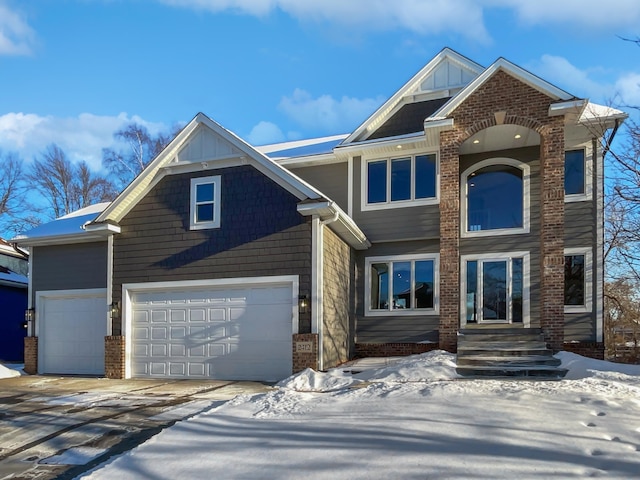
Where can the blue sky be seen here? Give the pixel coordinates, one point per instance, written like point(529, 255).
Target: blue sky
point(74, 71)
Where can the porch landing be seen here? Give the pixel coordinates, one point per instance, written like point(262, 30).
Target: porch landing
point(500, 352)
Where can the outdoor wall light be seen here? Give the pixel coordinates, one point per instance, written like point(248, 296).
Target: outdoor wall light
point(29, 315)
point(114, 310)
point(303, 304)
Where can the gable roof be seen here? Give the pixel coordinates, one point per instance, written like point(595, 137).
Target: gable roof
point(442, 77)
point(204, 144)
point(510, 68)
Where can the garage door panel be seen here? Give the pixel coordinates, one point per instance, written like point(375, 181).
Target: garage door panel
point(71, 333)
point(224, 332)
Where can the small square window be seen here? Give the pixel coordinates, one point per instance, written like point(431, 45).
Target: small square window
point(205, 203)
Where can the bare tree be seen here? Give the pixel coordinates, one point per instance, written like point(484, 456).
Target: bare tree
point(141, 147)
point(65, 187)
point(11, 191)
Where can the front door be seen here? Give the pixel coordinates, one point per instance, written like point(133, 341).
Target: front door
point(494, 289)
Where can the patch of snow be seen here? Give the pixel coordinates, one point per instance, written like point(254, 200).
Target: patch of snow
point(411, 418)
point(13, 277)
point(70, 224)
point(96, 208)
point(6, 372)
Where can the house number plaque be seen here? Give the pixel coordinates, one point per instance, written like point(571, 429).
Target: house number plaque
point(304, 347)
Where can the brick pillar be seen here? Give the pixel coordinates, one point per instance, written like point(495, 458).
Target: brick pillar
point(552, 233)
point(114, 357)
point(305, 351)
point(31, 355)
point(449, 242)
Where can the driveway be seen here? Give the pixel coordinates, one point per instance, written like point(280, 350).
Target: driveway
point(59, 427)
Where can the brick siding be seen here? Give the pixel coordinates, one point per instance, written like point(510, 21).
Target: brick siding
point(305, 359)
point(522, 105)
point(114, 357)
point(586, 349)
point(31, 355)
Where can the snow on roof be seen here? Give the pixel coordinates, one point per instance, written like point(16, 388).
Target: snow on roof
point(594, 111)
point(70, 224)
point(302, 148)
point(8, 276)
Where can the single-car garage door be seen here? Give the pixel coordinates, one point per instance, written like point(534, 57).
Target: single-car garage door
point(71, 330)
point(232, 333)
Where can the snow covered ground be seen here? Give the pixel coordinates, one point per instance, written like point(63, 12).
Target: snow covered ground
point(412, 419)
point(10, 370)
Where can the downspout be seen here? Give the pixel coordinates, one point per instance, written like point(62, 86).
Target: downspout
point(607, 145)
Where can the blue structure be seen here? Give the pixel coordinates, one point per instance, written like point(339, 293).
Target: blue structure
point(13, 302)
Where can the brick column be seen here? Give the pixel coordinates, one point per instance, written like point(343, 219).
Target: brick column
point(305, 351)
point(31, 355)
point(114, 356)
point(449, 242)
point(552, 232)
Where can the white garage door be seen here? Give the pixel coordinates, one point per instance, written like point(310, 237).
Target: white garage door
point(235, 333)
point(71, 331)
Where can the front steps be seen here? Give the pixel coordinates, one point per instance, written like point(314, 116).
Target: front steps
point(506, 353)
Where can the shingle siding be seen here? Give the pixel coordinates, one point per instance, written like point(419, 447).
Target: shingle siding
point(261, 234)
point(69, 267)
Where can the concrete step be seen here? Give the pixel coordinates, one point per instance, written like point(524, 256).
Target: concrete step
point(497, 337)
point(511, 361)
point(503, 346)
point(542, 372)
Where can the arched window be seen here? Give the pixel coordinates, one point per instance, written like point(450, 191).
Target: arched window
point(495, 198)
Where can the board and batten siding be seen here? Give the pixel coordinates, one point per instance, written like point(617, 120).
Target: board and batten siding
point(392, 224)
point(69, 267)
point(331, 179)
point(338, 275)
point(261, 234)
point(393, 328)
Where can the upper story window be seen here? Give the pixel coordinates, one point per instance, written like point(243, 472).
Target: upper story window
point(402, 285)
point(577, 280)
point(398, 181)
point(577, 184)
point(205, 203)
point(495, 198)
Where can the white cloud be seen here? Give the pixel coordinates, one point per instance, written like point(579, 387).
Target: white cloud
point(82, 137)
point(560, 72)
point(265, 133)
point(628, 89)
point(16, 36)
point(459, 17)
point(613, 15)
point(327, 114)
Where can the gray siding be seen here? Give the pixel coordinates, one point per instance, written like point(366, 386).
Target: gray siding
point(394, 224)
point(69, 267)
point(331, 180)
point(261, 234)
point(393, 328)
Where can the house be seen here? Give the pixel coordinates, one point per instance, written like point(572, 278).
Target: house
point(473, 197)
point(13, 301)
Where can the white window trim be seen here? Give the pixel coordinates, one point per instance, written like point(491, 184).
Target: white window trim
point(193, 225)
point(365, 206)
point(588, 174)
point(588, 280)
point(526, 282)
point(369, 312)
point(526, 215)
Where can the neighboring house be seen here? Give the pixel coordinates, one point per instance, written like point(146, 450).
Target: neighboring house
point(472, 197)
point(14, 267)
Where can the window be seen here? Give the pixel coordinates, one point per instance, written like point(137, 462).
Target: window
point(205, 203)
point(495, 198)
point(496, 288)
point(574, 172)
point(404, 285)
point(577, 280)
point(391, 182)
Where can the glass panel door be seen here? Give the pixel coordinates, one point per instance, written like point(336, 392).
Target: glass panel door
point(495, 295)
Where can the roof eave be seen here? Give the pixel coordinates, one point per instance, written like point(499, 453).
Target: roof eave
point(338, 221)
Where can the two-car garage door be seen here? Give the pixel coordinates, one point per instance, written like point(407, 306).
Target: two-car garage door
point(222, 332)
